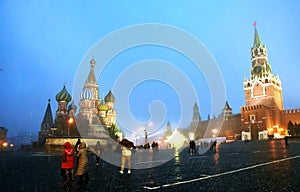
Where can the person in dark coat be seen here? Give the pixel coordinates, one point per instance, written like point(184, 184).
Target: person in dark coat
point(192, 147)
point(82, 167)
point(286, 142)
point(98, 152)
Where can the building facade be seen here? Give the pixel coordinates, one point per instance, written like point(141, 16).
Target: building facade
point(263, 115)
point(92, 120)
point(264, 109)
point(95, 117)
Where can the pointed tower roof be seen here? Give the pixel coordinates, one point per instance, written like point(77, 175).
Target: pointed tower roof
point(168, 124)
point(257, 42)
point(91, 78)
point(48, 118)
point(72, 106)
point(109, 97)
point(227, 105)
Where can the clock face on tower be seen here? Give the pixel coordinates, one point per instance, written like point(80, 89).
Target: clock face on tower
point(257, 69)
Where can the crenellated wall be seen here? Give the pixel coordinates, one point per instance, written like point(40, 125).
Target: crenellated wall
point(292, 115)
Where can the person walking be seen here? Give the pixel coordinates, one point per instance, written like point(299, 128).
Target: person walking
point(98, 152)
point(214, 145)
point(67, 164)
point(126, 147)
point(82, 166)
point(192, 147)
point(286, 142)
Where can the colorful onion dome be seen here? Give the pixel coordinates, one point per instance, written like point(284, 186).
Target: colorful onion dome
point(72, 106)
point(63, 95)
point(109, 97)
point(86, 94)
point(102, 106)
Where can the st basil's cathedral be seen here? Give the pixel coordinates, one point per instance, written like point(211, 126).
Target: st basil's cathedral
point(95, 116)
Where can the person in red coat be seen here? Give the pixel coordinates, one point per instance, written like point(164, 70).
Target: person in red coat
point(67, 164)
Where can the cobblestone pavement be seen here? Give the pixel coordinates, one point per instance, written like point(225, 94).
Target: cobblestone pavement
point(237, 166)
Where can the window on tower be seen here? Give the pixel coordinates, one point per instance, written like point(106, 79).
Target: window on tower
point(258, 90)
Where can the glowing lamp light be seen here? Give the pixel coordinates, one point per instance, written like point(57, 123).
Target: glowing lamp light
point(71, 120)
point(277, 135)
point(270, 130)
point(4, 144)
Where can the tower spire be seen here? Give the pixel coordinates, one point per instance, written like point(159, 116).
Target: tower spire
point(257, 41)
point(48, 118)
point(91, 77)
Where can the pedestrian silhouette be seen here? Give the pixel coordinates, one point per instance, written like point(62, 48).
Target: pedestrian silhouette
point(192, 147)
point(286, 142)
point(67, 165)
point(98, 152)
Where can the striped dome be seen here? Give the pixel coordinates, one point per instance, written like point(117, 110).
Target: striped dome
point(109, 97)
point(102, 106)
point(86, 94)
point(63, 95)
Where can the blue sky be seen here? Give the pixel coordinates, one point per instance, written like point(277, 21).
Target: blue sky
point(44, 42)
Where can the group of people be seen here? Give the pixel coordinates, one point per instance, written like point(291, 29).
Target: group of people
point(212, 145)
point(154, 146)
point(79, 156)
point(80, 151)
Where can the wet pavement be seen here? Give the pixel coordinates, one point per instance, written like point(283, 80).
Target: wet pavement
point(237, 166)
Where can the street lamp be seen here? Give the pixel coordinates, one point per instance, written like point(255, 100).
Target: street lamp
point(70, 121)
point(136, 140)
point(146, 140)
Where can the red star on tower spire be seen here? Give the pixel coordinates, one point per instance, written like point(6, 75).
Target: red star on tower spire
point(254, 23)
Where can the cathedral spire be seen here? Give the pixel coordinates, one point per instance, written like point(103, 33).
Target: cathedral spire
point(91, 77)
point(46, 125)
point(48, 118)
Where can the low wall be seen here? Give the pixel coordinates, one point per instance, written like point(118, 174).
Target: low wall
point(294, 138)
point(55, 144)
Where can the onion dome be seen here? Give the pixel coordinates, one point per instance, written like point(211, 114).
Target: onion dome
point(102, 106)
point(63, 95)
point(109, 97)
point(72, 106)
point(86, 94)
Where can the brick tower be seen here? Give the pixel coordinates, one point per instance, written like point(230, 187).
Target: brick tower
point(263, 94)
